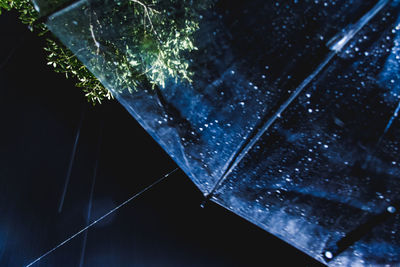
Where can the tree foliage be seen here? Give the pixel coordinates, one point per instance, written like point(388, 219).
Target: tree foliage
point(150, 42)
point(28, 14)
point(158, 40)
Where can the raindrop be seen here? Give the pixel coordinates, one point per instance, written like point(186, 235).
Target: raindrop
point(328, 254)
point(391, 209)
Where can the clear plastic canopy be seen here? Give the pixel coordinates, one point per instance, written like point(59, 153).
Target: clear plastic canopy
point(288, 118)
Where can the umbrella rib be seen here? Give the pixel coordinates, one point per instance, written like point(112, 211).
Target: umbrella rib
point(335, 49)
point(359, 232)
point(268, 124)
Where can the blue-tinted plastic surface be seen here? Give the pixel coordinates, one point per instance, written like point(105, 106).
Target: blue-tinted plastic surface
point(291, 118)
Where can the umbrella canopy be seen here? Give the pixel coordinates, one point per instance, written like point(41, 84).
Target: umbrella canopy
point(284, 112)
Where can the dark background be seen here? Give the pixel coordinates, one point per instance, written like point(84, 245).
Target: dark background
point(40, 113)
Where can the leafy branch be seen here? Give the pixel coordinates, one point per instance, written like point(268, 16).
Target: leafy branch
point(58, 56)
point(158, 38)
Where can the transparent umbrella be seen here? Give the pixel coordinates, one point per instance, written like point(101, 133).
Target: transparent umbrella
point(284, 112)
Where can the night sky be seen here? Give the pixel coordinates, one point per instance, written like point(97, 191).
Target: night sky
point(165, 226)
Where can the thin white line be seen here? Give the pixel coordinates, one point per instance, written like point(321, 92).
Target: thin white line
point(71, 162)
point(89, 211)
point(89, 214)
point(101, 218)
